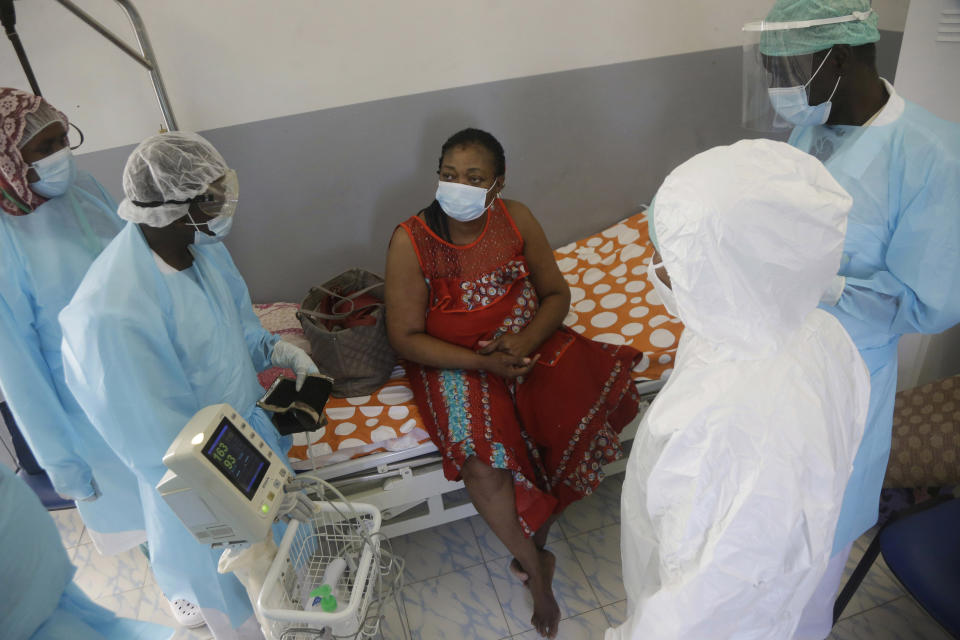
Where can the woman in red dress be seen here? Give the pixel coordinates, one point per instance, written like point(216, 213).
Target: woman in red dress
point(523, 409)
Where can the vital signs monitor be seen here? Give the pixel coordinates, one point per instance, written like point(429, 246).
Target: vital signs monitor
point(224, 482)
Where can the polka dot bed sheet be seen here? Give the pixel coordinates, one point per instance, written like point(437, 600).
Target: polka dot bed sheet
point(611, 301)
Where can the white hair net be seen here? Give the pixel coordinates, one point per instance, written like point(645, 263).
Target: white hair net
point(166, 171)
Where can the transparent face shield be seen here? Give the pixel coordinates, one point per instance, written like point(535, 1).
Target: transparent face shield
point(762, 72)
point(780, 59)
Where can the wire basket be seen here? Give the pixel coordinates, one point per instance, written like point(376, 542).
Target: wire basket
point(339, 530)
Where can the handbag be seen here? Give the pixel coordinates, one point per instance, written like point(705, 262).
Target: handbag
point(345, 321)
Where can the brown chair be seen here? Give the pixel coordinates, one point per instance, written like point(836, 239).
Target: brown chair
point(925, 449)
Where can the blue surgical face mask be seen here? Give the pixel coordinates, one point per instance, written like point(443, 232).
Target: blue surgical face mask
point(219, 226)
point(463, 202)
point(57, 172)
point(792, 104)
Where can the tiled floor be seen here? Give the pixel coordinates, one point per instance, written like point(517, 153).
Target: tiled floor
point(122, 583)
point(458, 585)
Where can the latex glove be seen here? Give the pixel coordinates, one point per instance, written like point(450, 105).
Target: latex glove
point(832, 295)
point(95, 488)
point(289, 356)
point(251, 565)
point(296, 506)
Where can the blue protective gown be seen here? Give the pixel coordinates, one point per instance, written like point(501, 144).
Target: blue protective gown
point(43, 257)
point(40, 600)
point(144, 351)
point(901, 261)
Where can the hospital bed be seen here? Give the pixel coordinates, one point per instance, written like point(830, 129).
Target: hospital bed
point(375, 448)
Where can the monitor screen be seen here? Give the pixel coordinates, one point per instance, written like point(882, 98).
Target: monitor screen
point(236, 458)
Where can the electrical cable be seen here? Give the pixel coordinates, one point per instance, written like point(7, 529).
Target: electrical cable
point(8, 18)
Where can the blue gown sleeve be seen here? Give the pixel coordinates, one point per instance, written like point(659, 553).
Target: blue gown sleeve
point(34, 565)
point(29, 388)
point(126, 374)
point(919, 292)
point(260, 342)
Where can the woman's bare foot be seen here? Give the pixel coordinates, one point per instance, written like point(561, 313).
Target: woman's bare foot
point(548, 563)
point(518, 572)
point(546, 611)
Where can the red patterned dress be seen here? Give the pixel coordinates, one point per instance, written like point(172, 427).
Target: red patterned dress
point(553, 429)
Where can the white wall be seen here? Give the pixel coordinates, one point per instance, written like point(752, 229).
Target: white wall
point(234, 61)
point(928, 56)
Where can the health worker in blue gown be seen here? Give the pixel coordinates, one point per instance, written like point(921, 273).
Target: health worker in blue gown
point(814, 69)
point(55, 221)
point(161, 327)
point(40, 600)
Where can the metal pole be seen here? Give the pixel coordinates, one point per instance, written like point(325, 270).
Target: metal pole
point(143, 40)
point(8, 17)
point(24, 62)
point(144, 58)
point(106, 33)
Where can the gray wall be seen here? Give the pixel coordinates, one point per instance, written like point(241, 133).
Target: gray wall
point(323, 191)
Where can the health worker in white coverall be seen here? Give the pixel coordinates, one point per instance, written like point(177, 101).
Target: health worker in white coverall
point(737, 474)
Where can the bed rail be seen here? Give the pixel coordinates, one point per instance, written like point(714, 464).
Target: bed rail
point(145, 57)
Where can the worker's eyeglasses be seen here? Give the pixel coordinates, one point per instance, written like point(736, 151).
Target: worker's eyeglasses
point(220, 199)
point(72, 138)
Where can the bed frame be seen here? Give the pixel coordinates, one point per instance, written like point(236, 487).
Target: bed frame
point(409, 487)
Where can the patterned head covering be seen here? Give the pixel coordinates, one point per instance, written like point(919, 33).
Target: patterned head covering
point(15, 107)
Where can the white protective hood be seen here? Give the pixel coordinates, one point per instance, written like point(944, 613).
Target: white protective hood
point(737, 474)
point(751, 236)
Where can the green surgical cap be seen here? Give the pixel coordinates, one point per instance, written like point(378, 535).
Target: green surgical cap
point(802, 41)
point(650, 227)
